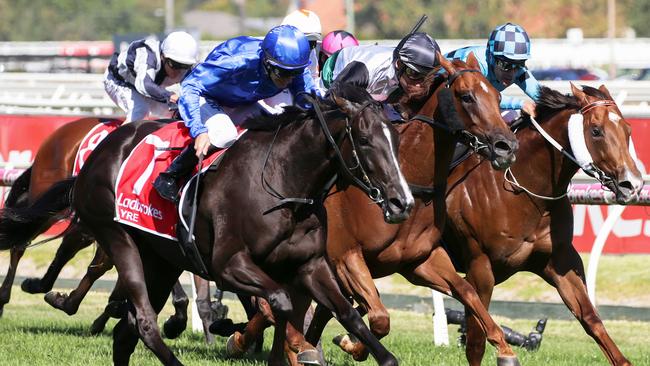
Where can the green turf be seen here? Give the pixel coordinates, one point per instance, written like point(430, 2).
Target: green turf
point(33, 334)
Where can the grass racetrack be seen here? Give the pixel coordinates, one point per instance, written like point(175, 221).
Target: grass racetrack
point(34, 334)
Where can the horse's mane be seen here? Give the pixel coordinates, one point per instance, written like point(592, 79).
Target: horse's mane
point(291, 114)
point(552, 101)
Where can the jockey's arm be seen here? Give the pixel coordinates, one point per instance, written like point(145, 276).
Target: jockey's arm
point(145, 74)
point(304, 83)
point(354, 73)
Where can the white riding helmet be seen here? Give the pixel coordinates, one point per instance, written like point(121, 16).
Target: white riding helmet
point(307, 22)
point(180, 47)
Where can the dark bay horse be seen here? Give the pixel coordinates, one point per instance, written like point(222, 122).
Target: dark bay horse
point(361, 246)
point(533, 231)
point(53, 162)
point(266, 255)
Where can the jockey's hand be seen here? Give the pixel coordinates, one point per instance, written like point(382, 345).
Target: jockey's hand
point(529, 108)
point(173, 98)
point(202, 144)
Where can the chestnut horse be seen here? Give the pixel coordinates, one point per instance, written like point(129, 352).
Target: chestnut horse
point(272, 247)
point(361, 246)
point(531, 220)
point(53, 162)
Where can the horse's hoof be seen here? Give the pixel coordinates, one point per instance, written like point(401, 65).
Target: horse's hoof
point(350, 344)
point(98, 325)
point(309, 357)
point(57, 300)
point(32, 286)
point(173, 327)
point(508, 361)
point(233, 349)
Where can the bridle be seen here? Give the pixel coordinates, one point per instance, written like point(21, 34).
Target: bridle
point(463, 135)
point(365, 184)
point(591, 169)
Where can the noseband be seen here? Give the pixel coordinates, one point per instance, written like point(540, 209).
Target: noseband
point(591, 169)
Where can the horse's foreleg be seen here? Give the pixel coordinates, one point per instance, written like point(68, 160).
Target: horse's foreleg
point(438, 273)
point(320, 281)
point(246, 277)
point(100, 264)
point(74, 241)
point(5, 290)
point(565, 271)
point(203, 306)
point(480, 276)
point(355, 276)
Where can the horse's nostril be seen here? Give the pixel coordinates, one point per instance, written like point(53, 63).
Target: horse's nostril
point(626, 185)
point(396, 205)
point(502, 146)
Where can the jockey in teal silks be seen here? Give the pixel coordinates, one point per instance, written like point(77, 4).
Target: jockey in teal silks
point(503, 62)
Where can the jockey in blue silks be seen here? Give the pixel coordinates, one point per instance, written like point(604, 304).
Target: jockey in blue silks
point(503, 62)
point(224, 90)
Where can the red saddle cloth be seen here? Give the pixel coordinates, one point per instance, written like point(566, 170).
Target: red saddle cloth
point(138, 204)
point(91, 140)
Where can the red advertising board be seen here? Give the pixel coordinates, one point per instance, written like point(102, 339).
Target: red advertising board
point(20, 137)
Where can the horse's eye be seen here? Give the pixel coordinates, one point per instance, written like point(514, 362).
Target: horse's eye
point(467, 98)
point(363, 141)
point(596, 131)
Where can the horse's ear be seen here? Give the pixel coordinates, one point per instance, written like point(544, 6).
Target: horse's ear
point(579, 94)
point(604, 90)
point(345, 105)
point(472, 62)
point(446, 64)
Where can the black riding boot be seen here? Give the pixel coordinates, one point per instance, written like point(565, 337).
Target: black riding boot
point(166, 183)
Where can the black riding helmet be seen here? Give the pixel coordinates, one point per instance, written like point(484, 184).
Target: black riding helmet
point(418, 52)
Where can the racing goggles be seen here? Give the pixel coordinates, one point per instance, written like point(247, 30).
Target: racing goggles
point(508, 65)
point(281, 73)
point(415, 75)
point(177, 65)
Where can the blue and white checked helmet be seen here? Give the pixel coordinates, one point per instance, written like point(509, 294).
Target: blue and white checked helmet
point(510, 41)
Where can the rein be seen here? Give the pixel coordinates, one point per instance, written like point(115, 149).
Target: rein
point(465, 137)
point(591, 169)
point(366, 185)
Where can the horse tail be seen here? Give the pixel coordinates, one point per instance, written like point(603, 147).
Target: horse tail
point(17, 195)
point(19, 225)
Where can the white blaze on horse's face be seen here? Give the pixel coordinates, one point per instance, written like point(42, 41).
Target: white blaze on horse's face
point(402, 180)
point(614, 117)
point(484, 87)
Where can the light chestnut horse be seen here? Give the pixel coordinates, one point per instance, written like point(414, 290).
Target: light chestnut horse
point(361, 246)
point(532, 230)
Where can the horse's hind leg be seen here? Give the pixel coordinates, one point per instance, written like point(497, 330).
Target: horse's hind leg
point(116, 308)
point(73, 241)
point(17, 197)
point(5, 290)
point(319, 279)
point(129, 264)
point(438, 273)
point(70, 303)
point(177, 322)
point(203, 305)
point(565, 271)
point(159, 277)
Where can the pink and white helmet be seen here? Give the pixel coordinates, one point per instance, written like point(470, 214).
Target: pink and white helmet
point(337, 40)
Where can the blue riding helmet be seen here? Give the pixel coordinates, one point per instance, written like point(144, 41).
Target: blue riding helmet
point(509, 41)
point(286, 47)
